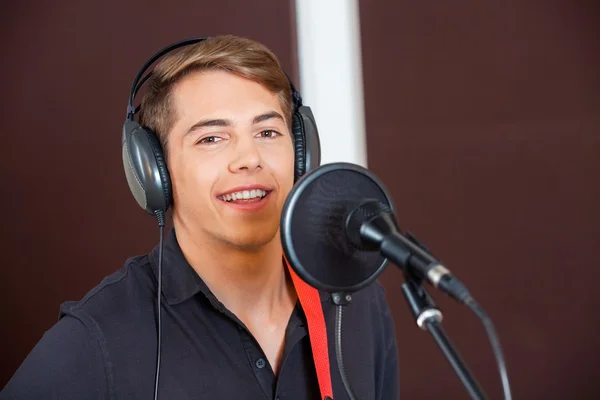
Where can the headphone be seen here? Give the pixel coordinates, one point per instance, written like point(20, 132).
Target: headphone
point(144, 162)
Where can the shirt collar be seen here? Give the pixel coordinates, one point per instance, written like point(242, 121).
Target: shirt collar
point(179, 280)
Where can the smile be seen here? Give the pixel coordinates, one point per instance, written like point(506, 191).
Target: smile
point(254, 194)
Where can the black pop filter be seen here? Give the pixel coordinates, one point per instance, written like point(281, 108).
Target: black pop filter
point(313, 227)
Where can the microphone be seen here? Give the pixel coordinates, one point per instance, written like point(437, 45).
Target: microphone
point(371, 226)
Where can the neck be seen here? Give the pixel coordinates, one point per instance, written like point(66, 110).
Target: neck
point(251, 283)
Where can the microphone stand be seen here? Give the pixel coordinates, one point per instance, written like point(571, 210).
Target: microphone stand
point(429, 317)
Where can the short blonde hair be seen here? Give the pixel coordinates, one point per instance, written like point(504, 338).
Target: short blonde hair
point(237, 55)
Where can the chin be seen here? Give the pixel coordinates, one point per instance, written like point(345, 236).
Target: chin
point(250, 244)
point(251, 240)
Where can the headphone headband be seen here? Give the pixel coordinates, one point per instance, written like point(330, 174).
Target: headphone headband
point(138, 82)
point(135, 87)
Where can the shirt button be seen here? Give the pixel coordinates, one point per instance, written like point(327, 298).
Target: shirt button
point(260, 363)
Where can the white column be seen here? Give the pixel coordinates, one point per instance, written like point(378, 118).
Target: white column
point(331, 82)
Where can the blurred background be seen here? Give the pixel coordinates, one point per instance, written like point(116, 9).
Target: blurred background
point(482, 118)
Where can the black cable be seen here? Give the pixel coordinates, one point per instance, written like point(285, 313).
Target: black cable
point(338, 351)
point(495, 342)
point(161, 223)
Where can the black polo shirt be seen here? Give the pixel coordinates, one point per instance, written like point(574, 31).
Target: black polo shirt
point(104, 346)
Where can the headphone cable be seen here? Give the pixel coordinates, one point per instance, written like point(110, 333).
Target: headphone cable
point(160, 216)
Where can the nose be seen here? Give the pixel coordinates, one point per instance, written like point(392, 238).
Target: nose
point(246, 156)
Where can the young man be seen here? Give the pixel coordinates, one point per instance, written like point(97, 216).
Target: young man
point(232, 325)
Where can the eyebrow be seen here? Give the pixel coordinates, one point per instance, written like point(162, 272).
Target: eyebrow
point(226, 122)
point(267, 116)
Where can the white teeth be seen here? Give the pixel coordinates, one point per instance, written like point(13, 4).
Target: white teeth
point(245, 194)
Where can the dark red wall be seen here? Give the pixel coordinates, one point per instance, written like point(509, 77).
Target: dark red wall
point(67, 67)
point(484, 120)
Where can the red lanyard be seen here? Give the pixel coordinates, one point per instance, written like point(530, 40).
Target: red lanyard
point(317, 332)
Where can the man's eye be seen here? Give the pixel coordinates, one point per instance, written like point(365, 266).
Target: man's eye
point(269, 133)
point(210, 140)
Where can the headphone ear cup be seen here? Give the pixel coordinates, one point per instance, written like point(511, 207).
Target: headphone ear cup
point(145, 168)
point(307, 145)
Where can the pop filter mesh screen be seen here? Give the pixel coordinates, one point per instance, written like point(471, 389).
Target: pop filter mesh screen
point(323, 256)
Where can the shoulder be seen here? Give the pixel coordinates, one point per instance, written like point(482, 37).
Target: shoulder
point(372, 300)
point(376, 295)
point(66, 363)
point(377, 308)
point(119, 298)
point(76, 357)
